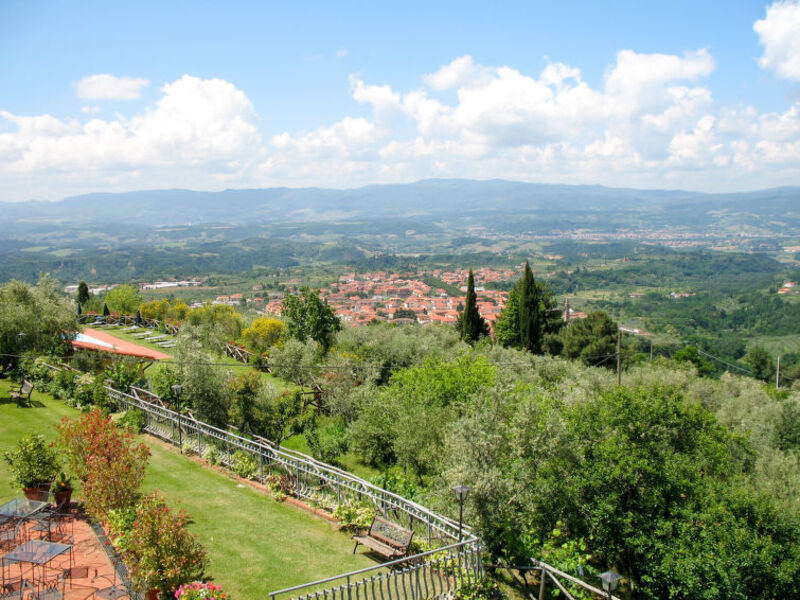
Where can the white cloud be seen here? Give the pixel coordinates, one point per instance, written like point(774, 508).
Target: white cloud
point(650, 123)
point(457, 73)
point(341, 53)
point(109, 87)
point(199, 133)
point(779, 33)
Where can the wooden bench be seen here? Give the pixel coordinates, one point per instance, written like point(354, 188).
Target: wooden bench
point(23, 394)
point(386, 538)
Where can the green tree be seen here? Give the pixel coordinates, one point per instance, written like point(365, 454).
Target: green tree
point(691, 354)
point(471, 324)
point(298, 362)
point(263, 333)
point(205, 386)
point(124, 299)
point(760, 363)
point(34, 319)
point(308, 316)
point(83, 293)
point(529, 317)
point(593, 340)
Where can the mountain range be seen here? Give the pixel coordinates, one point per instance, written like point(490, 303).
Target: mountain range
point(433, 199)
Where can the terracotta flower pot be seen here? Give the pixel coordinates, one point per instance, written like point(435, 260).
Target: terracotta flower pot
point(151, 595)
point(32, 493)
point(63, 498)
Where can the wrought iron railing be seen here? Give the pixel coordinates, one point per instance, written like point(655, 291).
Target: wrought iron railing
point(433, 574)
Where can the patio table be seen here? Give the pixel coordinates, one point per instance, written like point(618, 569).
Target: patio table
point(36, 553)
point(21, 508)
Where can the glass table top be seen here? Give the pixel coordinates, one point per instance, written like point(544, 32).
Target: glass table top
point(37, 552)
point(21, 507)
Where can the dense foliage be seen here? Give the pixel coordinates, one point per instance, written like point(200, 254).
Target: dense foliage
point(107, 460)
point(530, 317)
point(309, 317)
point(34, 319)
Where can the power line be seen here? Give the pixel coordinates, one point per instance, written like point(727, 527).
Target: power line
point(724, 362)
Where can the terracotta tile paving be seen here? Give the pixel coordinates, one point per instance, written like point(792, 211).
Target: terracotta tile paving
point(87, 551)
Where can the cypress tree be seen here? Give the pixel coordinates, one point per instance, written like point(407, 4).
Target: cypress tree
point(83, 293)
point(106, 312)
point(471, 324)
point(530, 313)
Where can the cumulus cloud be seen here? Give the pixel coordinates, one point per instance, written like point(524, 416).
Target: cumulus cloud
point(109, 87)
point(650, 122)
point(200, 132)
point(779, 33)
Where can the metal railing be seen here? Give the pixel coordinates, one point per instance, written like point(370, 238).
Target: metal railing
point(433, 574)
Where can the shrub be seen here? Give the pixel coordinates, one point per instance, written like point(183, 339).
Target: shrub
point(120, 522)
point(83, 390)
point(62, 384)
point(106, 459)
point(327, 443)
point(133, 420)
point(163, 553)
point(484, 589)
point(212, 455)
point(33, 462)
point(354, 516)
point(124, 372)
point(244, 465)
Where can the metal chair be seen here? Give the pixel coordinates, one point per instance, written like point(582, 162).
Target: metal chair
point(12, 590)
point(10, 537)
point(49, 590)
point(12, 587)
point(71, 573)
point(115, 590)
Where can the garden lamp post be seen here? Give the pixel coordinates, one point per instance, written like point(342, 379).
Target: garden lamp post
point(178, 389)
point(461, 492)
point(610, 580)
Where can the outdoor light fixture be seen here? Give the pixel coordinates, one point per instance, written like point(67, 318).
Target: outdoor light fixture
point(461, 492)
point(610, 580)
point(177, 390)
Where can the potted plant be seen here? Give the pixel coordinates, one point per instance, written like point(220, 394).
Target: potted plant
point(34, 465)
point(62, 489)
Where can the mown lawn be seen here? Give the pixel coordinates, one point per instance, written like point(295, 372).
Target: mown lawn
point(236, 366)
point(255, 544)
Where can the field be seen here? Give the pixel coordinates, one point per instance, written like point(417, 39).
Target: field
point(255, 543)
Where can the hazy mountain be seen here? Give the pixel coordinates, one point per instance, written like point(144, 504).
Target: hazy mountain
point(440, 198)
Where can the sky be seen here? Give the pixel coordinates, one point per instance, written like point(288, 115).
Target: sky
point(120, 96)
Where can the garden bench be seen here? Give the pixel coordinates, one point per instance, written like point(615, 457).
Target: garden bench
point(386, 538)
point(23, 394)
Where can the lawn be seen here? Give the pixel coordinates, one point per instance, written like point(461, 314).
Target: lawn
point(255, 544)
point(223, 359)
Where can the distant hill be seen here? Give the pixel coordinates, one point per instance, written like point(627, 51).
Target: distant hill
point(439, 198)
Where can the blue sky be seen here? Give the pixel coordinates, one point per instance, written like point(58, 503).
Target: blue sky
point(211, 95)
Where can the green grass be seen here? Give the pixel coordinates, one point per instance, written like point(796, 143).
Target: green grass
point(255, 544)
point(237, 367)
point(776, 344)
point(350, 461)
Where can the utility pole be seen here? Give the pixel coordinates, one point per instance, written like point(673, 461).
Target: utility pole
point(778, 374)
point(619, 357)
